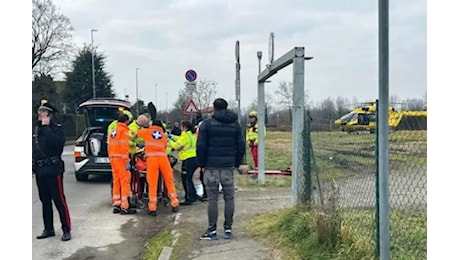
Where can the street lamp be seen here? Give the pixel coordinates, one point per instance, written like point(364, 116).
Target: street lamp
point(156, 100)
point(259, 57)
point(137, 93)
point(166, 108)
point(92, 63)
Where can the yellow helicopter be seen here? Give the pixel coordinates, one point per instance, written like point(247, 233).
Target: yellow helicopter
point(363, 119)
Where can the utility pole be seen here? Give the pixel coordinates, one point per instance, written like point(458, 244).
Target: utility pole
point(259, 57)
point(237, 78)
point(92, 63)
point(156, 99)
point(166, 109)
point(137, 92)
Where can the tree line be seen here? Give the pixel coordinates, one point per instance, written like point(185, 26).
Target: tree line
point(278, 105)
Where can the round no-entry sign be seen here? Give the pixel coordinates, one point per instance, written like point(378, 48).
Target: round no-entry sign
point(190, 75)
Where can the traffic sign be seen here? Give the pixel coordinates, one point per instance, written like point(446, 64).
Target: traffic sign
point(190, 87)
point(190, 75)
point(191, 108)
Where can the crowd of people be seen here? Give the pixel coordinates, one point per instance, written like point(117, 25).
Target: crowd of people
point(212, 148)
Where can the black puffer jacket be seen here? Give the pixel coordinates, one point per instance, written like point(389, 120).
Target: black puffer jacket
point(220, 141)
point(47, 146)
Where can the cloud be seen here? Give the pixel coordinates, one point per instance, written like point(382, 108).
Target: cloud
point(165, 38)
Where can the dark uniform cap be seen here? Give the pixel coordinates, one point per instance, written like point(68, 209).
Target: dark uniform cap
point(44, 105)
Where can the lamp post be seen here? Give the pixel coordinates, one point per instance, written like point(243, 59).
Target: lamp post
point(137, 93)
point(166, 108)
point(156, 99)
point(259, 57)
point(92, 62)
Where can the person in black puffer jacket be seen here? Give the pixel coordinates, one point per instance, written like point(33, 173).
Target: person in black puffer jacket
point(47, 146)
point(220, 149)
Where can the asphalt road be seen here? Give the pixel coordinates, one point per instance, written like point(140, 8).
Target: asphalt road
point(97, 233)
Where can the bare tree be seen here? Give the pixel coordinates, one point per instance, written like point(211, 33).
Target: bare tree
point(269, 104)
point(51, 38)
point(394, 101)
point(342, 106)
point(203, 96)
point(205, 93)
point(328, 110)
point(182, 100)
point(356, 102)
point(285, 92)
point(425, 99)
point(414, 104)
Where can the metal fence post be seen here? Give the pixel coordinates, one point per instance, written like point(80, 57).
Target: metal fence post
point(377, 204)
point(261, 133)
point(298, 109)
point(308, 150)
point(383, 159)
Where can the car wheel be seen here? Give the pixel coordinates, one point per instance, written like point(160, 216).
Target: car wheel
point(81, 177)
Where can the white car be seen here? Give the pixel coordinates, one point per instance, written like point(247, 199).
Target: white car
point(90, 152)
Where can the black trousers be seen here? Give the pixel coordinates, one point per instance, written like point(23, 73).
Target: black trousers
point(188, 168)
point(50, 188)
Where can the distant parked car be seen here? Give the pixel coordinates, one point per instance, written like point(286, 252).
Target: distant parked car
point(90, 152)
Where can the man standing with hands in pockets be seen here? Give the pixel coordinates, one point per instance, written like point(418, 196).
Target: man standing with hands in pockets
point(220, 148)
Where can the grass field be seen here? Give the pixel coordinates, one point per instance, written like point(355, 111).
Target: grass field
point(309, 233)
point(339, 154)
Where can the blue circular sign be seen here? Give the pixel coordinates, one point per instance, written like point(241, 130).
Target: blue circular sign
point(190, 75)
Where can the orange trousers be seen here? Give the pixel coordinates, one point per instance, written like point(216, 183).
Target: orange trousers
point(155, 166)
point(121, 180)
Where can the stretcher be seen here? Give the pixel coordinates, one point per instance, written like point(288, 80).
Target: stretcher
point(138, 181)
point(139, 186)
point(287, 171)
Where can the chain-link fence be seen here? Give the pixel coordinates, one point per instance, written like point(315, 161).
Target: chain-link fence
point(343, 173)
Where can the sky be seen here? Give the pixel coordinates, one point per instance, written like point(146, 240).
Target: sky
point(164, 39)
point(333, 34)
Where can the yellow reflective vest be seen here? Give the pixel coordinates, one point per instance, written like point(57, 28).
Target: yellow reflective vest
point(134, 139)
point(185, 144)
point(252, 134)
point(110, 128)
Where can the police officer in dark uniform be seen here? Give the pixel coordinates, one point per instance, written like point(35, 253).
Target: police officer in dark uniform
point(47, 146)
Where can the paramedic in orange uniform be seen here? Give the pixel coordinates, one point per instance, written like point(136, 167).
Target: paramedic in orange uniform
point(118, 149)
point(155, 141)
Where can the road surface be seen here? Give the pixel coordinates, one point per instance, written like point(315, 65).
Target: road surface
point(97, 233)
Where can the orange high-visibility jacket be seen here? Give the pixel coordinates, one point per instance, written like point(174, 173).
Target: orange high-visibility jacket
point(118, 146)
point(155, 140)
